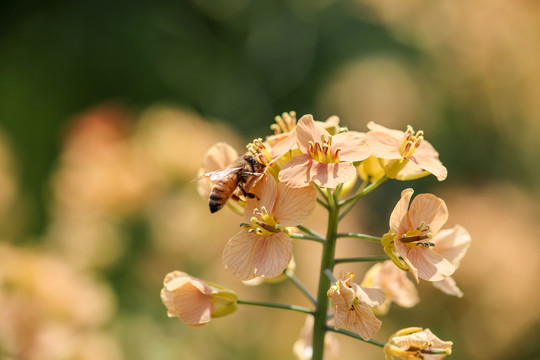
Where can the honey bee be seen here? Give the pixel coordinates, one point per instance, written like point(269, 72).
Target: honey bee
point(239, 175)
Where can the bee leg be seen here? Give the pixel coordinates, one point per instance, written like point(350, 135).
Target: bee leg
point(247, 194)
point(235, 197)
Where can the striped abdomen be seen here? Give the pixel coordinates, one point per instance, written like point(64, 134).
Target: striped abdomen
point(221, 192)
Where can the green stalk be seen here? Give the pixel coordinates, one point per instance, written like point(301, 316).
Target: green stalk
point(276, 306)
point(362, 259)
point(327, 262)
point(300, 286)
point(362, 192)
point(359, 236)
point(356, 336)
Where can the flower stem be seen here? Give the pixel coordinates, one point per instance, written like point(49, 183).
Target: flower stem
point(362, 192)
point(359, 236)
point(300, 286)
point(310, 232)
point(356, 336)
point(307, 237)
point(362, 259)
point(327, 264)
point(276, 305)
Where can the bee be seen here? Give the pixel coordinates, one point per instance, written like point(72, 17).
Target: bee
point(239, 175)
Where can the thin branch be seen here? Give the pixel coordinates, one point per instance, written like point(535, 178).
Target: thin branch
point(306, 237)
point(360, 236)
point(300, 286)
point(310, 232)
point(356, 336)
point(362, 259)
point(277, 306)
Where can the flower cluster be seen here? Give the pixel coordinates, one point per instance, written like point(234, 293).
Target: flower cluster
point(275, 187)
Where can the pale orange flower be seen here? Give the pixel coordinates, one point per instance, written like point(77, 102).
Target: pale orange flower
point(409, 155)
point(416, 344)
point(411, 231)
point(352, 306)
point(452, 244)
point(303, 347)
point(326, 160)
point(394, 282)
point(263, 247)
point(284, 138)
point(195, 301)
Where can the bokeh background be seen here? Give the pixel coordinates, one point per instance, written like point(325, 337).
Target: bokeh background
point(106, 110)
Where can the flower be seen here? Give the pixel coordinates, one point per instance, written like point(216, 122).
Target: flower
point(394, 282)
point(194, 301)
point(408, 155)
point(352, 306)
point(284, 138)
point(416, 344)
point(326, 160)
point(263, 247)
point(452, 244)
point(303, 347)
point(411, 232)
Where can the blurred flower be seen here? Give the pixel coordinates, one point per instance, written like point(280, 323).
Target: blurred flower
point(303, 347)
point(326, 160)
point(411, 231)
point(263, 247)
point(408, 155)
point(352, 306)
point(49, 310)
point(416, 344)
point(452, 244)
point(394, 282)
point(194, 301)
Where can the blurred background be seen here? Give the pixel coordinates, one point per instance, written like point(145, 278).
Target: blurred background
point(107, 108)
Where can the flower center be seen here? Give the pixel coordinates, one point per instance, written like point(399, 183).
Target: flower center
point(321, 150)
point(417, 236)
point(263, 224)
point(411, 141)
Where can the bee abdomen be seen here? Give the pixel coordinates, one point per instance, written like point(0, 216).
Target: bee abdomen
point(220, 194)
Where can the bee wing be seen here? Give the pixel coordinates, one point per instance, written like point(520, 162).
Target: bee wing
point(216, 175)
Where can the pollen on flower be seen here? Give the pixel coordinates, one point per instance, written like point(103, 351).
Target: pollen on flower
point(263, 223)
point(284, 123)
point(260, 151)
point(411, 141)
point(320, 150)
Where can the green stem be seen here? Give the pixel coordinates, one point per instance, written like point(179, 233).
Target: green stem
point(327, 263)
point(310, 232)
point(307, 237)
point(276, 305)
point(362, 192)
point(360, 236)
point(322, 203)
point(300, 286)
point(362, 259)
point(356, 336)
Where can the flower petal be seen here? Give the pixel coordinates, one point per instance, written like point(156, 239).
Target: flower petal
point(397, 134)
point(297, 172)
point(452, 244)
point(428, 159)
point(333, 174)
point(271, 255)
point(238, 255)
point(369, 296)
point(362, 321)
point(293, 205)
point(184, 299)
point(448, 286)
point(283, 143)
point(354, 146)
point(308, 130)
point(424, 262)
point(399, 222)
point(383, 145)
point(266, 192)
point(429, 209)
